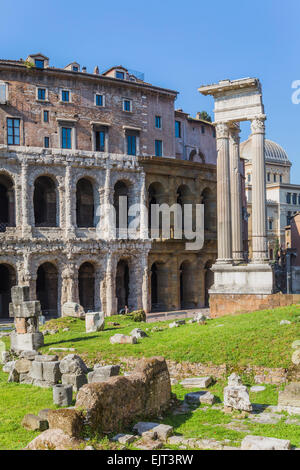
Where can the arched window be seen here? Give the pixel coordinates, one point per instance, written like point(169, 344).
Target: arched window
point(7, 203)
point(122, 284)
point(47, 289)
point(86, 281)
point(7, 281)
point(44, 201)
point(84, 203)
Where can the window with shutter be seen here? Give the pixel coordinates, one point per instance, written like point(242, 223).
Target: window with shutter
point(3, 93)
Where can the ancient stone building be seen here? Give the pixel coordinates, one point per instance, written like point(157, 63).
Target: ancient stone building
point(73, 142)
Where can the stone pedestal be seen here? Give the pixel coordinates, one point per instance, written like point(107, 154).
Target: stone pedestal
point(26, 342)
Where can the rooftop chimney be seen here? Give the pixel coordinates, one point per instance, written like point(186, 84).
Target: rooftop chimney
point(96, 70)
point(83, 69)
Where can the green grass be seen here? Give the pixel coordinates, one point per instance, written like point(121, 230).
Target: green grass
point(249, 339)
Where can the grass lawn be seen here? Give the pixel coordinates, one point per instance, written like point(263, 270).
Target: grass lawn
point(248, 339)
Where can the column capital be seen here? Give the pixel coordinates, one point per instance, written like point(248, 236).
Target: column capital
point(222, 130)
point(258, 125)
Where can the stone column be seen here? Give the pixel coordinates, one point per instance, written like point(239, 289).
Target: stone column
point(26, 226)
point(143, 209)
point(70, 230)
point(109, 221)
point(110, 294)
point(259, 222)
point(145, 285)
point(223, 195)
point(236, 195)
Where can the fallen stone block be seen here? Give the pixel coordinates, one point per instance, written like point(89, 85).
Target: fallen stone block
point(234, 380)
point(138, 333)
point(289, 399)
point(55, 439)
point(30, 355)
point(51, 372)
point(124, 438)
point(257, 388)
point(199, 398)
point(77, 381)
point(94, 321)
point(122, 339)
point(14, 376)
point(296, 357)
point(70, 421)
point(25, 379)
point(23, 366)
point(237, 398)
point(62, 395)
point(9, 366)
point(142, 427)
point(266, 418)
point(36, 370)
point(163, 431)
point(197, 382)
point(34, 423)
point(264, 443)
point(43, 414)
point(46, 358)
point(72, 309)
point(5, 356)
point(102, 373)
point(26, 342)
point(73, 364)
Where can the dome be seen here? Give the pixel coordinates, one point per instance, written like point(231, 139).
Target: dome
point(274, 152)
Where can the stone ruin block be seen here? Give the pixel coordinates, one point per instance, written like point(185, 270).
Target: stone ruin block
point(20, 294)
point(26, 342)
point(94, 321)
point(289, 399)
point(62, 395)
point(236, 395)
point(102, 373)
point(115, 403)
point(72, 309)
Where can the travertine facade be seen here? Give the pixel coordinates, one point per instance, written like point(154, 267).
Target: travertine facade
point(70, 144)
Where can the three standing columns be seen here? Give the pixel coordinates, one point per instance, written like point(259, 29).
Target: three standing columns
point(229, 194)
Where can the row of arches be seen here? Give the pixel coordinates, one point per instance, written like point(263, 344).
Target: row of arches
point(47, 285)
point(46, 210)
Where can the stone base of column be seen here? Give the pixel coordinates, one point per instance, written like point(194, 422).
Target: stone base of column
point(233, 304)
point(27, 231)
point(256, 279)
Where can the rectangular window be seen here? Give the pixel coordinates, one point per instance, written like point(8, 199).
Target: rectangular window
point(46, 116)
point(288, 219)
point(127, 106)
point(275, 178)
point(65, 96)
point(3, 93)
point(295, 198)
point(13, 131)
point(131, 145)
point(269, 177)
point(158, 148)
point(75, 68)
point(178, 129)
point(158, 122)
point(270, 225)
point(120, 75)
point(288, 198)
point(100, 141)
point(66, 138)
point(39, 63)
point(99, 100)
point(46, 142)
point(203, 129)
point(42, 94)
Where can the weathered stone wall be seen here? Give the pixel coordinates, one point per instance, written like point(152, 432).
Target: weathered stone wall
point(113, 404)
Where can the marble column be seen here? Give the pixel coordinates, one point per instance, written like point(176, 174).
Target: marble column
point(26, 226)
point(259, 222)
point(143, 209)
point(236, 195)
point(223, 195)
point(70, 230)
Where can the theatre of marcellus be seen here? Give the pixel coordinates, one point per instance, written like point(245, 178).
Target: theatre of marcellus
point(73, 143)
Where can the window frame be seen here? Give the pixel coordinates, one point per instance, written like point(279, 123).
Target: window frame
point(42, 61)
point(46, 112)
point(5, 85)
point(38, 88)
point(121, 72)
point(160, 142)
point(14, 136)
point(130, 146)
point(179, 129)
point(159, 119)
point(124, 100)
point(65, 90)
point(103, 100)
point(46, 146)
point(100, 132)
point(65, 128)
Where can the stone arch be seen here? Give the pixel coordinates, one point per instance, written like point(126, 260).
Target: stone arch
point(159, 287)
point(123, 198)
point(8, 279)
point(208, 281)
point(45, 202)
point(47, 288)
point(156, 195)
point(192, 155)
point(201, 156)
point(186, 281)
point(122, 284)
point(209, 201)
point(7, 202)
point(85, 207)
point(86, 286)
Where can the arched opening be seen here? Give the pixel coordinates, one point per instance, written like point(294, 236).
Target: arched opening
point(209, 202)
point(201, 157)
point(84, 203)
point(209, 281)
point(44, 201)
point(192, 155)
point(7, 281)
point(47, 289)
point(186, 286)
point(121, 195)
point(184, 196)
point(159, 287)
point(122, 284)
point(86, 281)
point(155, 196)
point(7, 203)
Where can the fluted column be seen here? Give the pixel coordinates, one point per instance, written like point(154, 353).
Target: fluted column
point(26, 226)
point(259, 223)
point(236, 194)
point(143, 209)
point(223, 195)
point(70, 230)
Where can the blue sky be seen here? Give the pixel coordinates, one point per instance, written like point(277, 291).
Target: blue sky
point(178, 45)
